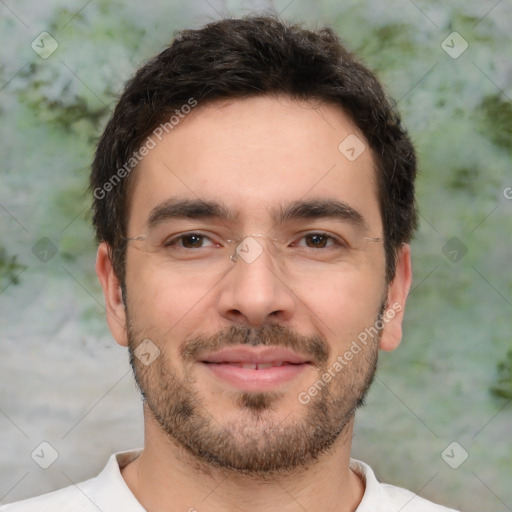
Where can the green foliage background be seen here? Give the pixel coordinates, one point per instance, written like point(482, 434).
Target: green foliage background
point(451, 380)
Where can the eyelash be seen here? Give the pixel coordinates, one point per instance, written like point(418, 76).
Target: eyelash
point(337, 242)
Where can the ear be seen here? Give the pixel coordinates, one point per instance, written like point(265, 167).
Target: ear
point(397, 296)
point(115, 309)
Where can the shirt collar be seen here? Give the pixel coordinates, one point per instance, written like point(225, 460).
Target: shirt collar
point(109, 490)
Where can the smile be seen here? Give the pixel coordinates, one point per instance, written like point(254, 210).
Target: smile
point(254, 366)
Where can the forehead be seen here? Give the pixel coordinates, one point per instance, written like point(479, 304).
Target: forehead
point(256, 154)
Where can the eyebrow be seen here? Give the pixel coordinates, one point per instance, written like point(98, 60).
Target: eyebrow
point(320, 209)
point(188, 209)
point(296, 210)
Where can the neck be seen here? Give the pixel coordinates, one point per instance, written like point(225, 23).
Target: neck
point(166, 477)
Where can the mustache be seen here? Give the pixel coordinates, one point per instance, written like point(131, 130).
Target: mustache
point(315, 348)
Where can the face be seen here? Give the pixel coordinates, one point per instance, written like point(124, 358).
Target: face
point(256, 265)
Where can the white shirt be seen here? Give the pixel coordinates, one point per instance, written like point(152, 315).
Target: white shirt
point(108, 492)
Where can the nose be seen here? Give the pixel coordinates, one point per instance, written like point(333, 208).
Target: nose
point(255, 290)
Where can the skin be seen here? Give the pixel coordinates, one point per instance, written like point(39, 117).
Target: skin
point(253, 155)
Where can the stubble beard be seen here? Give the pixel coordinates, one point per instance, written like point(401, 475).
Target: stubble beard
point(258, 443)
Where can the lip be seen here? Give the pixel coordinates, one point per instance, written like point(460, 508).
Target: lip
point(262, 355)
point(226, 365)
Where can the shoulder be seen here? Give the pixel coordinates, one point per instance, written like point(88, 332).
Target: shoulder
point(380, 497)
point(407, 501)
point(73, 498)
point(105, 492)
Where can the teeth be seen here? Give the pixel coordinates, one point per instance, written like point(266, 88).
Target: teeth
point(258, 366)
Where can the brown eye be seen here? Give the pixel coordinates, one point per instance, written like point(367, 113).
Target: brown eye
point(189, 241)
point(317, 240)
point(192, 241)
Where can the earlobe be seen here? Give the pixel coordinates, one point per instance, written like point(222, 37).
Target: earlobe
point(397, 297)
point(112, 292)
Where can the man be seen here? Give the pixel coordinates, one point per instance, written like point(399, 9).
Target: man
point(253, 200)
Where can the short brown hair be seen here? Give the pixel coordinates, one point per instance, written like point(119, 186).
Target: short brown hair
point(240, 58)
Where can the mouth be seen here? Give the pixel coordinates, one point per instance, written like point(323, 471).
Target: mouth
point(255, 369)
point(254, 366)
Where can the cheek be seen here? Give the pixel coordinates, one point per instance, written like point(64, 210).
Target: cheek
point(345, 307)
point(163, 301)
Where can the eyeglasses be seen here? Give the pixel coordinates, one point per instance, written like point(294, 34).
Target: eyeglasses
point(205, 250)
